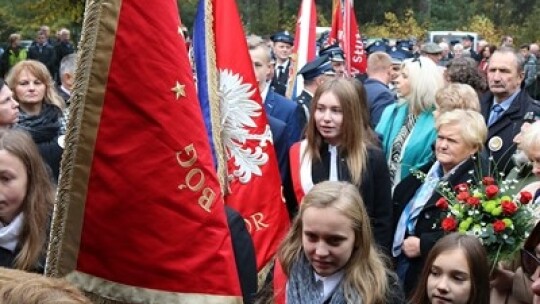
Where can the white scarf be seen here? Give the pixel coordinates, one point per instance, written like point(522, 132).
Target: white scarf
point(9, 235)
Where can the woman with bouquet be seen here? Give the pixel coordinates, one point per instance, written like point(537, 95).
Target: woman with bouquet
point(461, 135)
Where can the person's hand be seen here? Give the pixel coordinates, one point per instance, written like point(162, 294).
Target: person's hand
point(501, 279)
point(411, 247)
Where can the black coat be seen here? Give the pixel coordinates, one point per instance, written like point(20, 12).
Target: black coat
point(428, 224)
point(244, 254)
point(7, 260)
point(375, 190)
point(304, 101)
point(46, 55)
point(280, 83)
point(507, 127)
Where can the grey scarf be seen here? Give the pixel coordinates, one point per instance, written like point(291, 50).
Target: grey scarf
point(45, 126)
point(302, 289)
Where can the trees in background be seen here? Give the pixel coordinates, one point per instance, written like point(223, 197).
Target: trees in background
point(377, 18)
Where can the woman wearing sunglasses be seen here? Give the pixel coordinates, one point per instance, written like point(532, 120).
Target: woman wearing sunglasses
point(407, 128)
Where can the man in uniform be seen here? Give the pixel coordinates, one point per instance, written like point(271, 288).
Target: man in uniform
point(314, 73)
point(397, 55)
point(282, 48)
point(337, 58)
point(505, 106)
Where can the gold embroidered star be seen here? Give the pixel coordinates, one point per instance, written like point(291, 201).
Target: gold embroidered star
point(179, 89)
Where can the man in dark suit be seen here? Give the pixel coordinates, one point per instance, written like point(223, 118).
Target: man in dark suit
point(467, 43)
point(379, 70)
point(275, 105)
point(282, 113)
point(44, 52)
point(282, 48)
point(505, 106)
point(62, 48)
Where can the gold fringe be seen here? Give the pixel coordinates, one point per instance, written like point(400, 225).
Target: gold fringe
point(104, 291)
point(214, 98)
point(84, 60)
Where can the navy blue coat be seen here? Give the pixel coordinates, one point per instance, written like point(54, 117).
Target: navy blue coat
point(281, 144)
point(285, 110)
point(507, 127)
point(378, 97)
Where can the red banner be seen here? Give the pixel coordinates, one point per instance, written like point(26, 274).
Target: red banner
point(255, 184)
point(141, 215)
point(304, 45)
point(346, 32)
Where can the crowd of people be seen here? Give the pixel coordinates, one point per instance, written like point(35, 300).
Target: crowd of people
point(445, 111)
point(33, 107)
point(364, 227)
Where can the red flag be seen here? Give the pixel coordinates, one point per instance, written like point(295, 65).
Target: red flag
point(336, 32)
point(254, 180)
point(140, 216)
point(304, 45)
point(346, 32)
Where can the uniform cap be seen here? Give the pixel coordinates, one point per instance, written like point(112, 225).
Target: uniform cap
point(398, 55)
point(282, 37)
point(377, 46)
point(319, 66)
point(334, 52)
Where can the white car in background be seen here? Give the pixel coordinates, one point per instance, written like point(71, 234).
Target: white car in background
point(449, 36)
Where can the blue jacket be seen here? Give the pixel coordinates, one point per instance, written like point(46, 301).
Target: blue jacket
point(418, 149)
point(281, 144)
point(285, 110)
point(379, 97)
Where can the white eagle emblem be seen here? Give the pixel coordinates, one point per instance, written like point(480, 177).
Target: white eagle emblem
point(238, 113)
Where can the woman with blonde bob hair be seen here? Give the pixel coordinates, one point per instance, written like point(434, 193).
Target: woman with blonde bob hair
point(40, 72)
point(339, 146)
point(407, 127)
point(330, 243)
point(40, 109)
point(461, 136)
point(456, 96)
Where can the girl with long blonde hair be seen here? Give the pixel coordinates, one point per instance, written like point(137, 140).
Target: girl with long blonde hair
point(340, 146)
point(329, 255)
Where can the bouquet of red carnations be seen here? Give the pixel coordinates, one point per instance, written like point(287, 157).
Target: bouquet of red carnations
point(501, 222)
